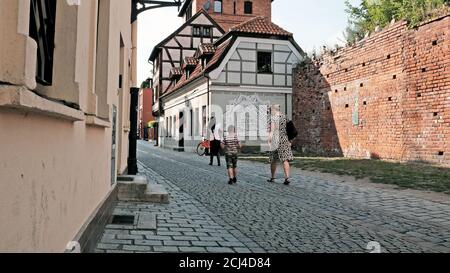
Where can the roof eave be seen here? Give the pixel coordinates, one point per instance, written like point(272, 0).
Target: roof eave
point(192, 81)
point(297, 46)
point(222, 57)
point(154, 54)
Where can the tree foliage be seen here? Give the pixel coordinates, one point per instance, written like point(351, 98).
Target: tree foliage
point(146, 84)
point(372, 13)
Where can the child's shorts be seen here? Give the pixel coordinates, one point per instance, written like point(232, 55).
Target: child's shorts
point(231, 161)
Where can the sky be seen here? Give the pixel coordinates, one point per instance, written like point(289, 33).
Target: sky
point(314, 23)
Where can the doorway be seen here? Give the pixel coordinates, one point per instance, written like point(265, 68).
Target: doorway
point(114, 145)
point(181, 131)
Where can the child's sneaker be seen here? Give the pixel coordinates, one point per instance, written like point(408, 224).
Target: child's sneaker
point(230, 182)
point(235, 180)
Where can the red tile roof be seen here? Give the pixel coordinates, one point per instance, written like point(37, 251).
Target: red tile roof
point(198, 71)
point(175, 71)
point(190, 61)
point(218, 54)
point(260, 25)
point(207, 48)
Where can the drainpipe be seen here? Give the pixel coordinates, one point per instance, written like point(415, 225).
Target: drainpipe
point(134, 95)
point(132, 137)
point(206, 75)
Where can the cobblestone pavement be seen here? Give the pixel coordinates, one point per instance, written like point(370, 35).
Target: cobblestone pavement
point(313, 214)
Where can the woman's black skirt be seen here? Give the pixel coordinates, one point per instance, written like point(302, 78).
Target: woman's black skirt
point(215, 147)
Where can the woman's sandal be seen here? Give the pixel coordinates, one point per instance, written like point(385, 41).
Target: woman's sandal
point(287, 182)
point(271, 180)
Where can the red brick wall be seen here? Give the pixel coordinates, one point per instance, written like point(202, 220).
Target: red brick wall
point(145, 110)
point(228, 19)
point(386, 97)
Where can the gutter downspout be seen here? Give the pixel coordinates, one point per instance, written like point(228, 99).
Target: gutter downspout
point(155, 99)
point(206, 75)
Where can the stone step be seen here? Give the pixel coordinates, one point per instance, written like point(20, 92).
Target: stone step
point(138, 189)
point(156, 193)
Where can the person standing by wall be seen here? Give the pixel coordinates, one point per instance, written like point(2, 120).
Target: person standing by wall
point(280, 146)
point(215, 137)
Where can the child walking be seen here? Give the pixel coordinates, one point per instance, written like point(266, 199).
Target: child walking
point(231, 145)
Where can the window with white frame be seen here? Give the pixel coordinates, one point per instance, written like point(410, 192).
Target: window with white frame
point(203, 132)
point(174, 127)
point(196, 127)
point(170, 127)
point(167, 127)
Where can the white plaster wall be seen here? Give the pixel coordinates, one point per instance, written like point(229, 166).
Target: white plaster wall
point(234, 78)
point(175, 54)
point(249, 67)
point(249, 78)
point(186, 31)
point(194, 97)
point(202, 20)
point(242, 58)
point(224, 97)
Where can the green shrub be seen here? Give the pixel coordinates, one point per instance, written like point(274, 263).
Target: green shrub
point(371, 13)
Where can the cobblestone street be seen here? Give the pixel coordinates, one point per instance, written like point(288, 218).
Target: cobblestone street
point(313, 214)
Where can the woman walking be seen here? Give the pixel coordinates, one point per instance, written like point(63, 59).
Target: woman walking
point(280, 147)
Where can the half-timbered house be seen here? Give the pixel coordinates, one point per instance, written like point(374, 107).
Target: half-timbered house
point(170, 52)
point(251, 65)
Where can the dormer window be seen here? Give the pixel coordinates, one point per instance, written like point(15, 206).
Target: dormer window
point(203, 63)
point(248, 7)
point(204, 53)
point(189, 65)
point(189, 70)
point(175, 74)
point(218, 6)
